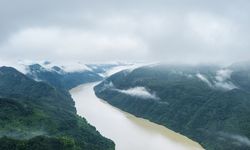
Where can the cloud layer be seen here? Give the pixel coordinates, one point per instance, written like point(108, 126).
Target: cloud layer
point(240, 139)
point(140, 92)
point(187, 31)
point(220, 81)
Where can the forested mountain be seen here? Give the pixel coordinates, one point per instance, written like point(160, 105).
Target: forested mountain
point(207, 103)
point(35, 115)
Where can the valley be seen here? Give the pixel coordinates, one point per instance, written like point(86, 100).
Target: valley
point(127, 131)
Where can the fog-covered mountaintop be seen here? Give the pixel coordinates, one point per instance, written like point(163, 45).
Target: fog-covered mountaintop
point(68, 75)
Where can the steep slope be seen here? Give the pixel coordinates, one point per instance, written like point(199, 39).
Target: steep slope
point(35, 115)
point(206, 103)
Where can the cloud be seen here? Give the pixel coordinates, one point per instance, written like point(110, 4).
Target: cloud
point(173, 31)
point(223, 75)
point(242, 140)
point(80, 45)
point(204, 79)
point(65, 67)
point(220, 81)
point(223, 79)
point(140, 92)
point(225, 85)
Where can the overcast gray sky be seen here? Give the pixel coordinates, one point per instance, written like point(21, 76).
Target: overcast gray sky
point(125, 30)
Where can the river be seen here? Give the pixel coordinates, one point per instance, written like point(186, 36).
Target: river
point(127, 131)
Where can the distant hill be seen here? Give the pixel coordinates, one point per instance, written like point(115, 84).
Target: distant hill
point(208, 104)
point(67, 76)
point(35, 115)
point(61, 77)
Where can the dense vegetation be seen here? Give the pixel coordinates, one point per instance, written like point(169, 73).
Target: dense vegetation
point(202, 102)
point(37, 116)
point(38, 143)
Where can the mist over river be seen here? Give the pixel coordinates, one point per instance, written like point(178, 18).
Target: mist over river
point(127, 131)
